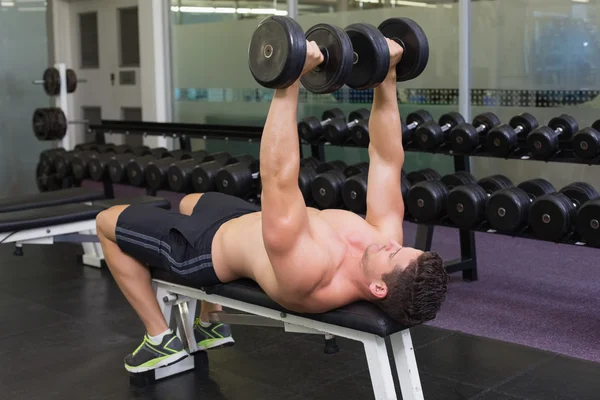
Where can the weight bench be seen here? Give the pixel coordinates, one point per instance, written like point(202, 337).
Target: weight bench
point(48, 199)
point(360, 321)
point(74, 223)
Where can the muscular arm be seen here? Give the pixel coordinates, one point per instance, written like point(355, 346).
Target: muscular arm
point(385, 207)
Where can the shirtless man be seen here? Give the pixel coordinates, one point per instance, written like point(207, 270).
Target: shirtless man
point(307, 260)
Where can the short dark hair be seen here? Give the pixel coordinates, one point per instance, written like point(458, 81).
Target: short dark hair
point(416, 293)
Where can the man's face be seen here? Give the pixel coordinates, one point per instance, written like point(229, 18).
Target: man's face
point(380, 259)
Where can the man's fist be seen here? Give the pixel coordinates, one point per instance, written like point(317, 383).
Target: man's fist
point(314, 57)
point(396, 52)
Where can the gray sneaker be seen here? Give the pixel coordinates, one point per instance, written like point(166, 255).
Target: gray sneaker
point(149, 356)
point(214, 336)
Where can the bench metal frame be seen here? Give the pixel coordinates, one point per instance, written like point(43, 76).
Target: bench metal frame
point(83, 232)
point(179, 302)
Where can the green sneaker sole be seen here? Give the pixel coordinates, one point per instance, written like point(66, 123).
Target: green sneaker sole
point(215, 343)
point(157, 363)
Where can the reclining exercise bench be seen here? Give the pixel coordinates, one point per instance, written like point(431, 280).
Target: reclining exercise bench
point(360, 321)
point(65, 222)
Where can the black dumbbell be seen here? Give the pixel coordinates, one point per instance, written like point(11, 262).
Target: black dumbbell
point(413, 121)
point(106, 148)
point(431, 135)
point(465, 138)
point(543, 142)
point(338, 130)
point(240, 177)
point(507, 210)
point(504, 138)
point(426, 200)
point(179, 175)
point(123, 148)
point(586, 142)
point(326, 188)
point(117, 166)
point(62, 163)
point(306, 175)
point(354, 189)
point(86, 147)
point(588, 223)
point(552, 216)
point(465, 205)
point(98, 165)
point(80, 164)
point(156, 171)
point(203, 174)
point(312, 130)
point(136, 168)
point(425, 174)
point(159, 152)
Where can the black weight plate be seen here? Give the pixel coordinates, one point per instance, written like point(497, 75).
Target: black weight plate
point(234, 180)
point(310, 128)
point(337, 131)
point(305, 177)
point(71, 81)
point(179, 175)
point(596, 125)
point(243, 159)
point(567, 123)
point(415, 44)
point(405, 188)
point(135, 170)
point(427, 201)
point(452, 118)
point(406, 133)
point(458, 178)
point(117, 167)
point(419, 117)
point(488, 119)
point(156, 173)
point(371, 58)
point(332, 113)
point(277, 52)
point(337, 67)
point(354, 193)
point(359, 115)
point(327, 189)
point(542, 142)
point(588, 222)
point(525, 120)
point(51, 81)
point(41, 123)
point(203, 176)
point(429, 135)
point(536, 187)
point(86, 146)
point(421, 175)
point(494, 183)
point(360, 133)
point(328, 166)
point(221, 157)
point(356, 169)
point(501, 140)
point(465, 205)
point(463, 138)
point(586, 143)
point(507, 210)
point(310, 162)
point(551, 216)
point(580, 193)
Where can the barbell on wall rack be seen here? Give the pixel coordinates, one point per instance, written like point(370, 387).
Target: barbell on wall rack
point(50, 123)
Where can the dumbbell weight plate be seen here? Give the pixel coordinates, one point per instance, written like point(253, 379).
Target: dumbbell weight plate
point(419, 116)
point(71, 81)
point(371, 56)
point(203, 176)
point(586, 143)
point(588, 222)
point(220, 158)
point(463, 138)
point(405, 188)
point(337, 67)
point(310, 162)
point(277, 52)
point(356, 169)
point(580, 193)
point(360, 133)
point(501, 140)
point(305, 177)
point(427, 200)
point(526, 120)
point(61, 123)
point(458, 178)
point(421, 175)
point(235, 180)
point(465, 205)
point(536, 187)
point(452, 118)
point(494, 183)
point(567, 123)
point(507, 209)
point(41, 124)
point(354, 193)
point(415, 44)
point(327, 189)
point(488, 119)
point(551, 216)
point(51, 79)
point(328, 166)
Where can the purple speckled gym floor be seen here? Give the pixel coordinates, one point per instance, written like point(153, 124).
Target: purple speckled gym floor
point(534, 293)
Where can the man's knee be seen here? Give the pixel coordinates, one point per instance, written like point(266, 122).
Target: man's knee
point(187, 204)
point(106, 221)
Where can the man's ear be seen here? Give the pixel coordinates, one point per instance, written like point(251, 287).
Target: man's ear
point(378, 289)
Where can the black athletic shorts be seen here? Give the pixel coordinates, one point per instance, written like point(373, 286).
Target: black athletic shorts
point(179, 243)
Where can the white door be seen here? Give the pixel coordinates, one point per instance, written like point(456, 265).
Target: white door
point(106, 52)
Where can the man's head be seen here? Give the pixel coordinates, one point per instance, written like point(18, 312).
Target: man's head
point(408, 284)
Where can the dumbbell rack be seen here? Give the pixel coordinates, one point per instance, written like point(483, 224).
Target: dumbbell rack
point(184, 132)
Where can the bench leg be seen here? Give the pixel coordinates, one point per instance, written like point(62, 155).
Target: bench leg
point(92, 252)
point(406, 365)
point(379, 368)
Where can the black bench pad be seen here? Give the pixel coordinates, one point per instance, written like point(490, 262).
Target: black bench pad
point(67, 213)
point(147, 200)
point(47, 199)
point(361, 316)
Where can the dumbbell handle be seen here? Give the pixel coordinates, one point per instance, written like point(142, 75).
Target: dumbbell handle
point(352, 123)
point(412, 125)
point(446, 127)
point(41, 81)
point(326, 121)
point(481, 128)
point(559, 130)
